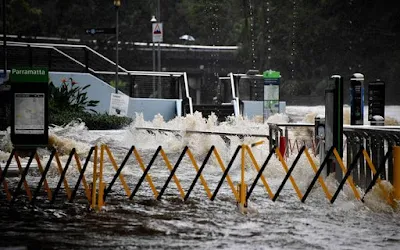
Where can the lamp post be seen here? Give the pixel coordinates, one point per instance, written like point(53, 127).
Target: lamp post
point(153, 20)
point(117, 4)
point(159, 51)
point(5, 37)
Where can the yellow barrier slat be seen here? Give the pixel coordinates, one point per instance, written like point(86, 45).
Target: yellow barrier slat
point(121, 177)
point(396, 172)
point(5, 185)
point(176, 180)
point(228, 179)
point(100, 196)
point(350, 179)
point(285, 167)
point(373, 169)
point(148, 177)
point(320, 179)
point(46, 185)
point(196, 167)
point(263, 179)
point(26, 186)
point(257, 143)
point(60, 170)
point(242, 176)
point(79, 166)
point(94, 178)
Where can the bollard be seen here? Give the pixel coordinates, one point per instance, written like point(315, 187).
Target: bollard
point(334, 122)
point(357, 99)
point(396, 172)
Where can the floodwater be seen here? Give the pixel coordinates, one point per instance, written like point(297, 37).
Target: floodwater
point(198, 223)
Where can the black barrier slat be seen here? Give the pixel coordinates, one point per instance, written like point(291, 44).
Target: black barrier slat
point(4, 172)
point(160, 194)
point(355, 171)
point(368, 173)
point(62, 177)
point(24, 173)
point(46, 169)
point(289, 173)
point(328, 155)
point(199, 172)
point(348, 172)
point(225, 173)
point(118, 172)
point(145, 172)
point(390, 166)
point(378, 173)
point(81, 174)
point(260, 173)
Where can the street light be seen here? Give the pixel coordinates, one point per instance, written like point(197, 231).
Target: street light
point(159, 51)
point(153, 20)
point(5, 37)
point(117, 4)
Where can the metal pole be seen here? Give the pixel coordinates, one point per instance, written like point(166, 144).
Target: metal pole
point(159, 51)
point(154, 68)
point(329, 127)
point(116, 58)
point(4, 36)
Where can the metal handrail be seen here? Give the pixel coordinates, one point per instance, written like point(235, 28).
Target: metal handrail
point(54, 46)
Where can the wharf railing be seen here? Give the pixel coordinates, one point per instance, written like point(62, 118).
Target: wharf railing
point(379, 143)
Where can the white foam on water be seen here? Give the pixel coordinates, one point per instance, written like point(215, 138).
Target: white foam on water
point(286, 223)
point(76, 135)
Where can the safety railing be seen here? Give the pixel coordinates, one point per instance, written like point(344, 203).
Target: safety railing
point(81, 58)
point(97, 191)
point(378, 145)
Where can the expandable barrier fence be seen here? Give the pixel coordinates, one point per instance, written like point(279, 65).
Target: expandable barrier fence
point(97, 191)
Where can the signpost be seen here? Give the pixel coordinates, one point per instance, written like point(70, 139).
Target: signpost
point(119, 105)
point(376, 102)
point(29, 107)
point(271, 93)
point(94, 31)
point(157, 32)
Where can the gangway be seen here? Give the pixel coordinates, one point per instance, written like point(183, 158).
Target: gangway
point(149, 88)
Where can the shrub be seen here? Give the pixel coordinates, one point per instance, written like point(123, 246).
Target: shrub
point(69, 102)
point(69, 96)
point(92, 121)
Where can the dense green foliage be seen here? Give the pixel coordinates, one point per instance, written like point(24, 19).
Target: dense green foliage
point(305, 40)
point(92, 121)
point(69, 102)
point(70, 96)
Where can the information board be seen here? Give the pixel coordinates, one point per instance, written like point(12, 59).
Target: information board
point(119, 105)
point(271, 93)
point(29, 107)
point(29, 113)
